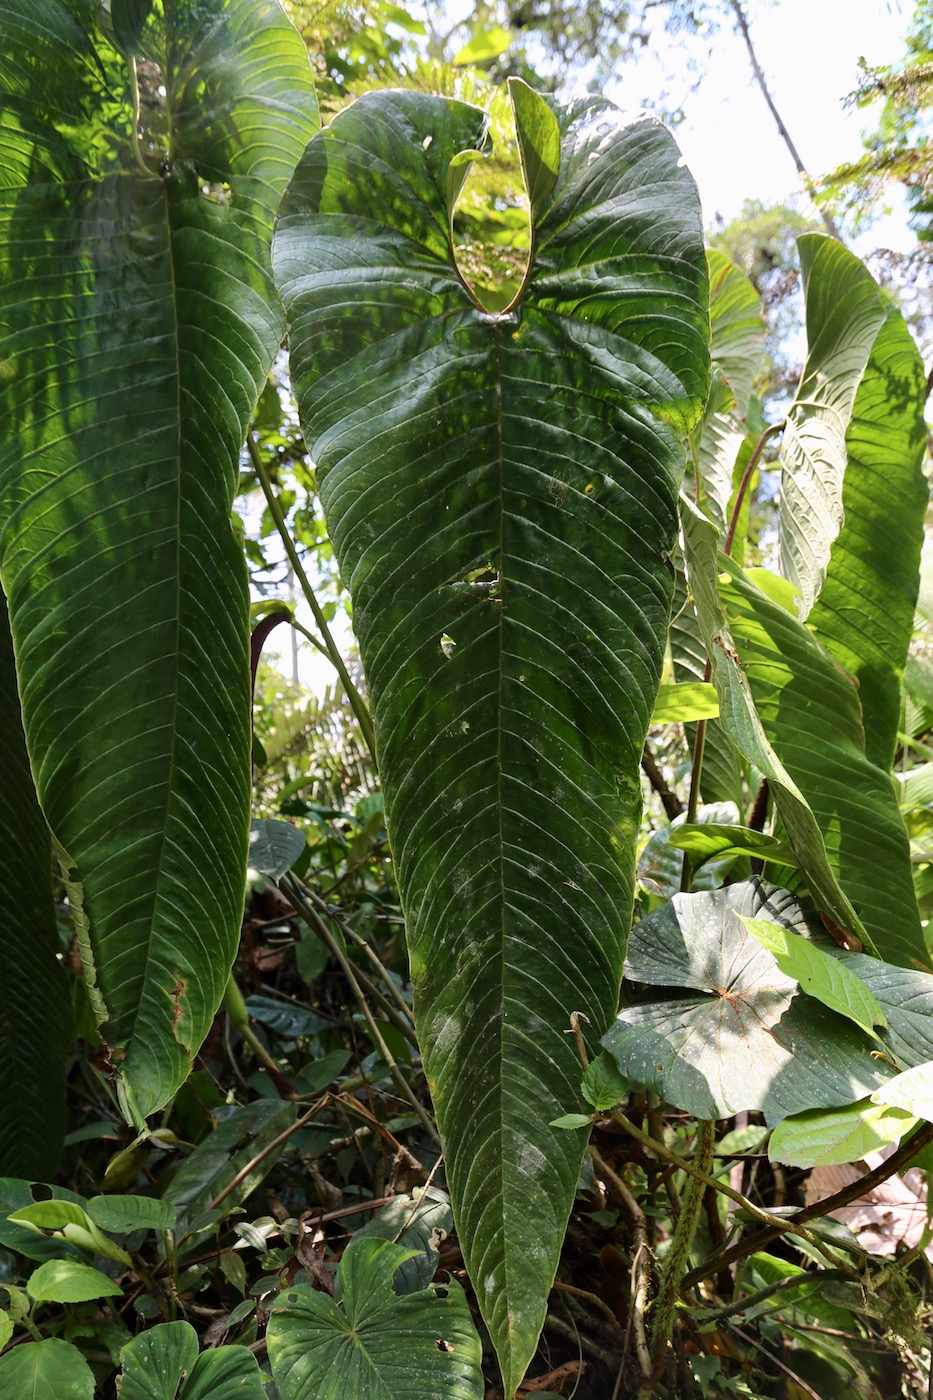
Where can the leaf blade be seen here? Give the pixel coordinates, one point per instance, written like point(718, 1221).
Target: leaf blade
point(463, 628)
point(130, 622)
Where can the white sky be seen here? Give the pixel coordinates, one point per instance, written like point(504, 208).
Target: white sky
point(810, 51)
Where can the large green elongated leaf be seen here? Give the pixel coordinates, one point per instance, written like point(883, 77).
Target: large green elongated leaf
point(737, 346)
point(138, 323)
point(500, 494)
point(809, 709)
point(35, 1011)
point(865, 612)
point(740, 719)
point(845, 312)
point(721, 779)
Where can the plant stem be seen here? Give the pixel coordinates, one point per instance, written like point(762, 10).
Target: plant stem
point(641, 1267)
point(665, 1306)
point(777, 1226)
point(782, 1285)
point(693, 799)
point(742, 23)
point(750, 466)
point(358, 704)
point(793, 1224)
point(404, 1088)
point(333, 947)
point(324, 908)
point(669, 800)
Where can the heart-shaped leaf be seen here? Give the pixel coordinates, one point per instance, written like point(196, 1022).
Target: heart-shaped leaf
point(749, 1039)
point(49, 1370)
point(367, 1341)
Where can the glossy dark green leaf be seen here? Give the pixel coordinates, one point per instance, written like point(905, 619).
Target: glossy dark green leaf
point(162, 1363)
point(865, 612)
point(809, 709)
point(500, 494)
point(368, 1341)
point(747, 1038)
point(793, 713)
point(35, 1009)
point(138, 323)
point(845, 312)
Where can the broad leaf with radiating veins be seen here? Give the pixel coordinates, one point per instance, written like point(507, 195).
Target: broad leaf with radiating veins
point(747, 1038)
point(138, 323)
point(370, 1342)
point(500, 490)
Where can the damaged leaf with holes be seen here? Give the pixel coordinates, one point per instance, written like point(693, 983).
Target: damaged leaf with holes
point(500, 490)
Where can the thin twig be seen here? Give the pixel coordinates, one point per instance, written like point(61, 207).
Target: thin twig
point(294, 894)
point(266, 1151)
point(741, 21)
point(358, 704)
point(779, 1226)
point(792, 1224)
point(641, 1267)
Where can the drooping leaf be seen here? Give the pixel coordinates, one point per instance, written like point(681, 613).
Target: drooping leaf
point(138, 324)
point(68, 1220)
point(794, 715)
point(162, 1363)
point(368, 1341)
point(15, 1193)
point(35, 1010)
point(737, 345)
point(822, 1137)
point(809, 709)
point(718, 842)
point(68, 1281)
point(661, 863)
point(818, 973)
point(499, 493)
point(865, 612)
point(747, 1038)
point(49, 1370)
point(912, 1091)
point(274, 847)
point(845, 312)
